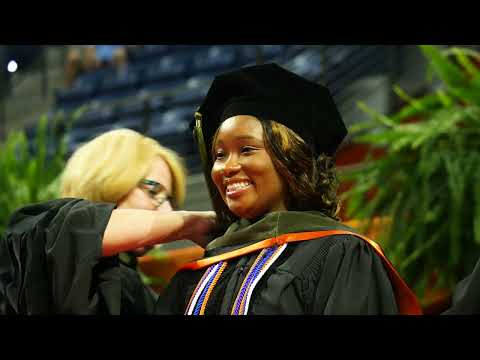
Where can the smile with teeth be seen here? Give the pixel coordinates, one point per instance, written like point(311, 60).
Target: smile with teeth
point(237, 187)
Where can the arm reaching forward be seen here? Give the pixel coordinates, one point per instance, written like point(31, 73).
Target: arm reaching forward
point(131, 229)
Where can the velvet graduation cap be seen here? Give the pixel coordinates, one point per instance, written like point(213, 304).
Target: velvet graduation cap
point(269, 92)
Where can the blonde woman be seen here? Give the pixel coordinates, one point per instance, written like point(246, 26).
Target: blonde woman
point(128, 169)
point(61, 257)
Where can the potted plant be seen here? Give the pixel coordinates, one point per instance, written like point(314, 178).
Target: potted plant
point(30, 171)
point(427, 182)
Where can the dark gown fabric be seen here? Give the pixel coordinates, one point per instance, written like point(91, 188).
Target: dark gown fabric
point(338, 274)
point(466, 297)
point(51, 263)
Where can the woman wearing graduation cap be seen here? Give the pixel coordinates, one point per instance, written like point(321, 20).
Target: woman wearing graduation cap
point(267, 138)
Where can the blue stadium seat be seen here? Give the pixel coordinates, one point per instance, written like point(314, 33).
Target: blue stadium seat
point(173, 120)
point(200, 81)
point(135, 107)
point(116, 95)
point(215, 58)
point(307, 64)
point(79, 136)
point(272, 51)
point(179, 116)
point(351, 66)
point(195, 90)
point(70, 105)
point(96, 117)
point(337, 54)
point(247, 54)
point(78, 94)
point(167, 85)
point(171, 128)
point(94, 77)
point(83, 89)
point(115, 80)
point(84, 134)
point(167, 67)
point(158, 102)
point(130, 122)
point(148, 52)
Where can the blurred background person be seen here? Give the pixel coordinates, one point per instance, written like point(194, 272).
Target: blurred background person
point(129, 169)
point(135, 172)
point(89, 58)
point(74, 66)
point(131, 184)
point(112, 55)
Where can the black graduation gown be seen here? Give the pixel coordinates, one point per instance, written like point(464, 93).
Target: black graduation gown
point(338, 274)
point(51, 263)
point(466, 297)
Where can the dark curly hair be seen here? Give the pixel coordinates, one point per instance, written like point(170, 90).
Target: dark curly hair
point(311, 181)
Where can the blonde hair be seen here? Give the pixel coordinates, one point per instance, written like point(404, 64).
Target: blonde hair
point(108, 167)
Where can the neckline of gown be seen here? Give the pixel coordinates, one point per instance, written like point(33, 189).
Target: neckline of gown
point(244, 232)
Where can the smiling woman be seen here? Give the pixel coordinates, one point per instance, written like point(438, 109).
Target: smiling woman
point(272, 136)
point(243, 167)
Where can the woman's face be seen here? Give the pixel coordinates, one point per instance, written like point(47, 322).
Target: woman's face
point(243, 172)
point(148, 197)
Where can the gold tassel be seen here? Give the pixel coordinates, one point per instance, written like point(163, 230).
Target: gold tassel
point(202, 147)
point(217, 202)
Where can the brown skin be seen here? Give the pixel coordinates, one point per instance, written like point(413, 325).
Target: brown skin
point(138, 223)
point(243, 171)
point(129, 229)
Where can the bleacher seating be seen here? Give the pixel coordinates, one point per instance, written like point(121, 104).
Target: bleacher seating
point(172, 128)
point(308, 64)
point(96, 116)
point(119, 80)
point(164, 84)
point(215, 58)
point(148, 52)
point(132, 108)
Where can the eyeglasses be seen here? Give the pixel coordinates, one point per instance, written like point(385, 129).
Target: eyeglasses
point(156, 192)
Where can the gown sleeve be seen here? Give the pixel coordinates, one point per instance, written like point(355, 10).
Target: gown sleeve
point(353, 281)
point(51, 263)
point(466, 297)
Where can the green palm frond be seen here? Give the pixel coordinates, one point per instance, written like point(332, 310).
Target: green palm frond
point(30, 173)
point(428, 181)
point(445, 69)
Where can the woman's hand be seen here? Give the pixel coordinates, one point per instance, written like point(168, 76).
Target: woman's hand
point(197, 225)
point(130, 229)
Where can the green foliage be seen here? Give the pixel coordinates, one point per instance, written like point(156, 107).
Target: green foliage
point(429, 180)
point(30, 172)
